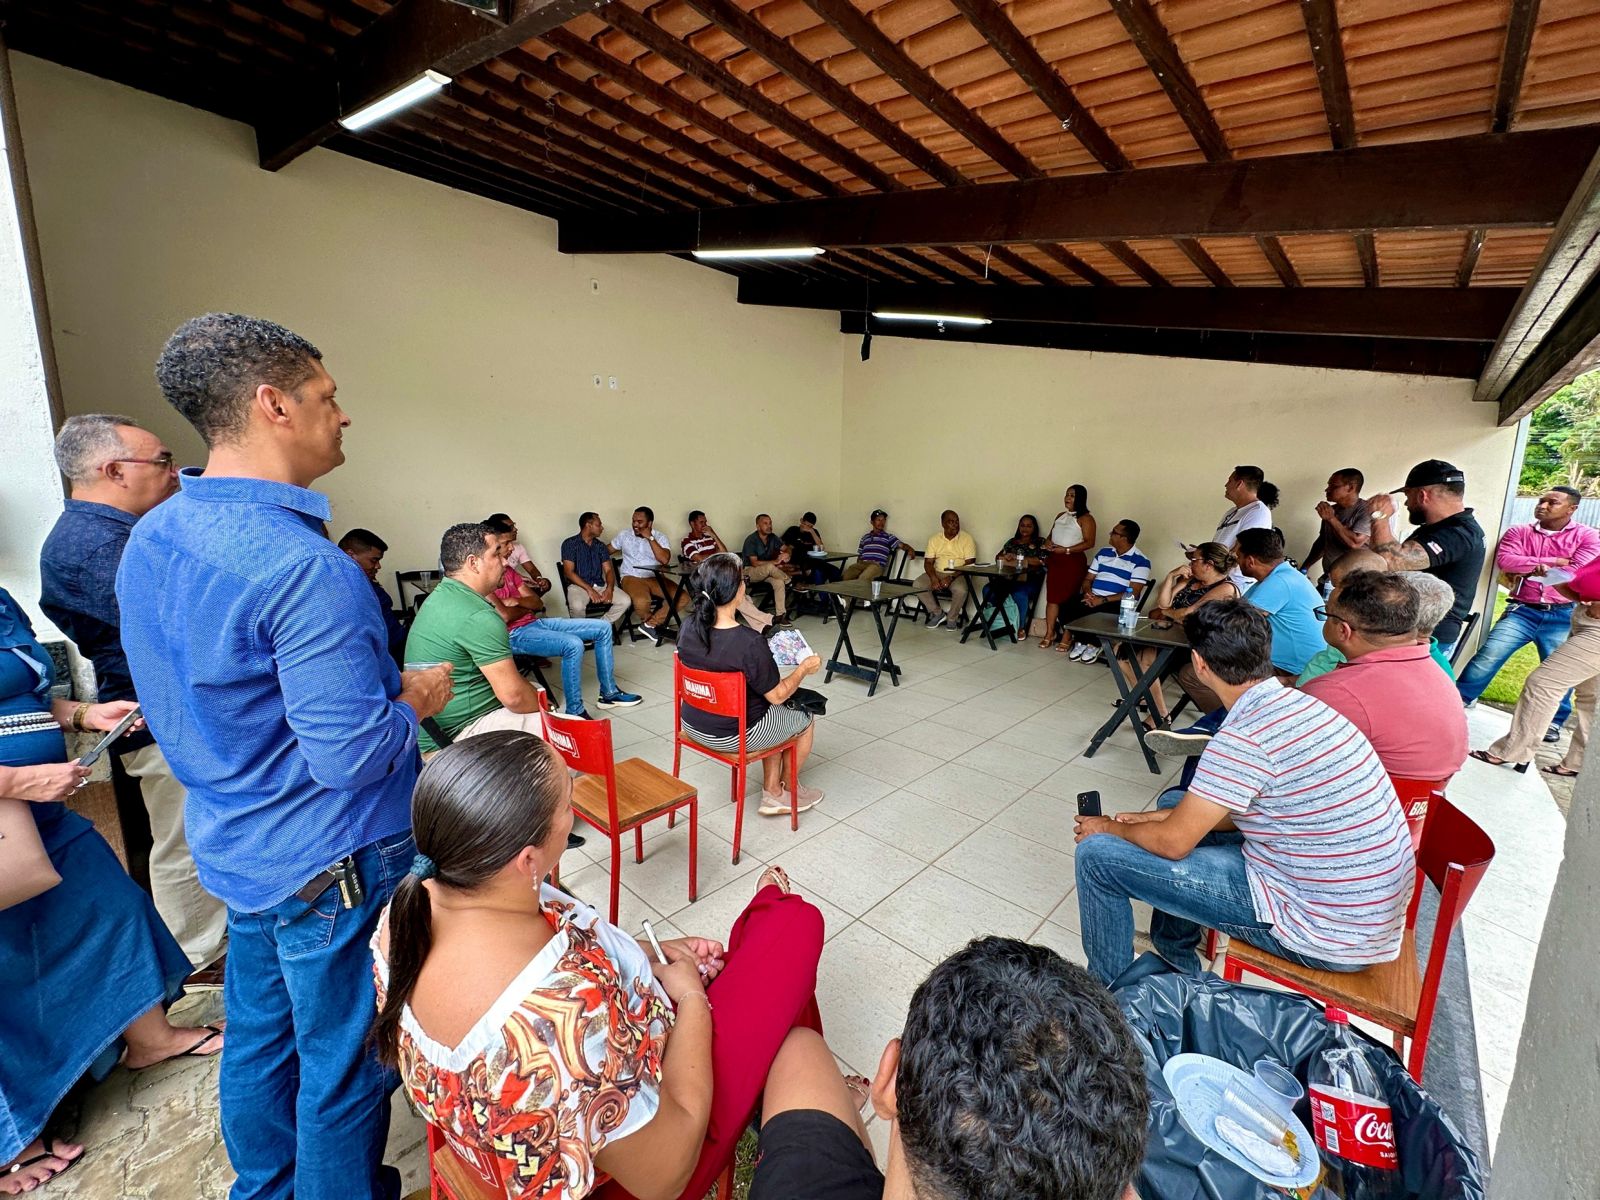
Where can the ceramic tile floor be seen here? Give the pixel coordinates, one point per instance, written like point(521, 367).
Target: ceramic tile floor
point(948, 815)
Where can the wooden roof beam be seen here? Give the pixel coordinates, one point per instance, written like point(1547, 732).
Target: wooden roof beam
point(1513, 62)
point(413, 37)
point(1515, 180)
point(1428, 314)
point(1554, 330)
point(1209, 267)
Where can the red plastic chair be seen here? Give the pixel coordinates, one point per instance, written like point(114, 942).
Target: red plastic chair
point(1414, 796)
point(457, 1172)
point(614, 797)
point(721, 693)
point(1454, 854)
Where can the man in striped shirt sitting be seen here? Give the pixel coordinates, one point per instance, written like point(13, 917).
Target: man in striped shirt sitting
point(1289, 837)
point(1117, 569)
point(876, 547)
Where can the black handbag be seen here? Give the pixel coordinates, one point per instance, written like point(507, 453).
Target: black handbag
point(808, 701)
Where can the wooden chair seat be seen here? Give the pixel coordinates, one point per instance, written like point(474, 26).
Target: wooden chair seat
point(643, 791)
point(1388, 993)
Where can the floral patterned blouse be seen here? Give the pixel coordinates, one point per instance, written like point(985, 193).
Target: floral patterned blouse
point(566, 1061)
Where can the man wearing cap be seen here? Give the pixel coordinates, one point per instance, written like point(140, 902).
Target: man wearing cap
point(874, 549)
point(1448, 543)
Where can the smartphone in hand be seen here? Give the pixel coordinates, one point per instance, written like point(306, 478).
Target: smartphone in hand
point(1089, 804)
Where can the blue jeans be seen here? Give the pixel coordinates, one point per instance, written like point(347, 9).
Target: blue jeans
point(305, 1102)
point(1207, 888)
point(566, 637)
point(1517, 626)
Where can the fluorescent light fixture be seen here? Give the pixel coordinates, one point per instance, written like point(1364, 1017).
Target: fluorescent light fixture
point(941, 318)
point(777, 252)
point(418, 89)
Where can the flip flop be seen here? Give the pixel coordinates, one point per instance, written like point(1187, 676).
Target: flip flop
point(24, 1164)
point(860, 1087)
point(191, 1052)
point(1484, 756)
point(1559, 771)
point(780, 877)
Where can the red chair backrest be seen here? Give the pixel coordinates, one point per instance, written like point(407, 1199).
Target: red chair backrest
point(721, 693)
point(1453, 845)
point(1414, 796)
point(584, 746)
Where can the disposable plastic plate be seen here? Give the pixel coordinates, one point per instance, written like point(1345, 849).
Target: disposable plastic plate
point(1197, 1082)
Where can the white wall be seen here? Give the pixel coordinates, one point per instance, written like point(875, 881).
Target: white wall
point(994, 432)
point(463, 344)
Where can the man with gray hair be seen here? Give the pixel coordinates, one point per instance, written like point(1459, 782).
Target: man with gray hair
point(118, 472)
point(264, 670)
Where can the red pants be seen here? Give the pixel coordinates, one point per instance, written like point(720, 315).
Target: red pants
point(767, 987)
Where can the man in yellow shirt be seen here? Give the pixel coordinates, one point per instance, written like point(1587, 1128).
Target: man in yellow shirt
point(948, 549)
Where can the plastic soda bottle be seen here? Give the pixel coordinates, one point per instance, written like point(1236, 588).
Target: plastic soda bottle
point(1351, 1120)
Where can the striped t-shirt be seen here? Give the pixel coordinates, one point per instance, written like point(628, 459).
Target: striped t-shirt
point(1326, 850)
point(876, 547)
point(1117, 573)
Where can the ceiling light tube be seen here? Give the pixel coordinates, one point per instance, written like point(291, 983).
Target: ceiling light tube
point(941, 318)
point(757, 252)
point(418, 89)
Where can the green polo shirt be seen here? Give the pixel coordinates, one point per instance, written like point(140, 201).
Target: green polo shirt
point(456, 625)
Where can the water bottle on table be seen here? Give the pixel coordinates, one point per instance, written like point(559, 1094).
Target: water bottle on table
point(1128, 613)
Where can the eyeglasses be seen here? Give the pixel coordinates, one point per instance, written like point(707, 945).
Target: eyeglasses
point(1321, 613)
point(164, 461)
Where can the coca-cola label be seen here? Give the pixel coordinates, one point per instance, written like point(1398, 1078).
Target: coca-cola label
point(1354, 1128)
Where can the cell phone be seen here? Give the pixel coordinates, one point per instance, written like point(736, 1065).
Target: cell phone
point(1089, 804)
point(104, 744)
point(650, 935)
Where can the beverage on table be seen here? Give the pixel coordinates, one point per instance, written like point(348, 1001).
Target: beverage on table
point(1351, 1119)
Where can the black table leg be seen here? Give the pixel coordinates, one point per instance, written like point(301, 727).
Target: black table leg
point(842, 609)
point(1128, 707)
point(885, 659)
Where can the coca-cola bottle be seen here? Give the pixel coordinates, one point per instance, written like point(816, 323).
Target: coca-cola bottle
point(1351, 1121)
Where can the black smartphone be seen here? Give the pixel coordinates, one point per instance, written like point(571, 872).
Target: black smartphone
point(1089, 804)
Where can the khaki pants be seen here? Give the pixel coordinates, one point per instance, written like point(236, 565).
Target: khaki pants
point(578, 604)
point(771, 573)
point(1205, 700)
point(863, 570)
point(952, 605)
point(642, 591)
point(502, 718)
point(198, 920)
point(1576, 665)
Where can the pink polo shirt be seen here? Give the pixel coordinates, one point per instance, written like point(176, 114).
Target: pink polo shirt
point(1526, 550)
point(1408, 708)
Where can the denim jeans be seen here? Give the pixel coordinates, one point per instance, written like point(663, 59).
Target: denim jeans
point(566, 637)
point(1207, 888)
point(1517, 627)
point(305, 1102)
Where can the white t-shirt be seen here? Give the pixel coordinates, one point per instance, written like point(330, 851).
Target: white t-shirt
point(1066, 531)
point(638, 561)
point(1235, 521)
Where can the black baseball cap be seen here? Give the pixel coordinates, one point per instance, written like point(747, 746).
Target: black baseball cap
point(1432, 471)
point(878, 512)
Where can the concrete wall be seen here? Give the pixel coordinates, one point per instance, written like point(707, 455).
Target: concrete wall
point(463, 344)
point(1547, 1146)
point(998, 431)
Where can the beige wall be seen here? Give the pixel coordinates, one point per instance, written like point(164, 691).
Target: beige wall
point(998, 431)
point(464, 345)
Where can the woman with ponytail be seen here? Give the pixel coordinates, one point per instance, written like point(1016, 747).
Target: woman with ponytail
point(712, 640)
point(545, 1043)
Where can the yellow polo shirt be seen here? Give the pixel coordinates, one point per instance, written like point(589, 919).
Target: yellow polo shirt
point(945, 553)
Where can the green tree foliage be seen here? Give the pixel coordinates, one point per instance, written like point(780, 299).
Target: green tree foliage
point(1564, 440)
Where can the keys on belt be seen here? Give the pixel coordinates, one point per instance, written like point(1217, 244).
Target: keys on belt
point(344, 874)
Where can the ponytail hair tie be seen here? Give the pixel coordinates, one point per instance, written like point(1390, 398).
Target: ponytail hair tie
point(705, 593)
point(423, 867)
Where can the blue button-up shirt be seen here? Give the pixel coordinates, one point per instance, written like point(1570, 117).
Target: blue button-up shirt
point(78, 586)
point(264, 671)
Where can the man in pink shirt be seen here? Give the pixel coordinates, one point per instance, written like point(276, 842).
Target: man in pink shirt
point(1389, 687)
point(1535, 612)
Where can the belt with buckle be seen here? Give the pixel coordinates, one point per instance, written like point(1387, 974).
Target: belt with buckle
point(1542, 607)
point(342, 873)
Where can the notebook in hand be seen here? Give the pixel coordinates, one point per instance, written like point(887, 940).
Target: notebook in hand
point(789, 648)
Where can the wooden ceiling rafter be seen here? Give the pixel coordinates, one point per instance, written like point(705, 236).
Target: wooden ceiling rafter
point(1327, 56)
point(1508, 87)
point(1208, 266)
point(1160, 53)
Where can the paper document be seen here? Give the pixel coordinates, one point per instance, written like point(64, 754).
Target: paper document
point(789, 648)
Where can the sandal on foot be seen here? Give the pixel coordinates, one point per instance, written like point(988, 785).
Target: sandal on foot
point(780, 879)
point(1484, 756)
point(1560, 772)
point(861, 1088)
point(24, 1163)
point(1046, 642)
point(215, 1031)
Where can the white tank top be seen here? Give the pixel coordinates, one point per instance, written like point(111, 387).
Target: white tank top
point(1066, 532)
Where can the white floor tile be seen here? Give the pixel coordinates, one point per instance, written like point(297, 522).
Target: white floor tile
point(763, 839)
point(864, 987)
point(846, 790)
point(1013, 868)
point(1065, 942)
point(919, 826)
point(832, 739)
point(896, 765)
point(714, 913)
point(1116, 794)
point(967, 790)
point(936, 914)
point(873, 720)
point(849, 868)
point(1011, 763)
point(938, 741)
point(592, 884)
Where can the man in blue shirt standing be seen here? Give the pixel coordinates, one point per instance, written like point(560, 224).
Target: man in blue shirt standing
point(119, 472)
point(263, 668)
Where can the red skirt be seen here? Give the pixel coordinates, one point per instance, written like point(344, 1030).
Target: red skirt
point(1064, 576)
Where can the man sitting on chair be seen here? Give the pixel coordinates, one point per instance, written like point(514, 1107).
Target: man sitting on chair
point(1290, 836)
point(1117, 569)
point(767, 560)
point(876, 547)
point(587, 571)
point(951, 547)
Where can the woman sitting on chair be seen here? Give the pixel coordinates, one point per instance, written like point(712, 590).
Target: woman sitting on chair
point(711, 640)
point(545, 1043)
point(1026, 551)
point(1204, 580)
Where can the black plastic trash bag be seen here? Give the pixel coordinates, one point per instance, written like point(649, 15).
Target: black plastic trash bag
point(1173, 1013)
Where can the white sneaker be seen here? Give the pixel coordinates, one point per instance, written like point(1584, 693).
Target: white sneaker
point(1090, 654)
point(1076, 653)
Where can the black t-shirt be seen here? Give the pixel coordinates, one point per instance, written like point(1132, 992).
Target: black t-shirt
point(800, 539)
point(738, 649)
point(1455, 550)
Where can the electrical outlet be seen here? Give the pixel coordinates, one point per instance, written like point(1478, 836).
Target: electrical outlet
point(613, 382)
point(597, 381)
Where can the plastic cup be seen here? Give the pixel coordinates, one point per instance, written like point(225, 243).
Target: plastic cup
point(1277, 1086)
point(877, 588)
point(420, 666)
